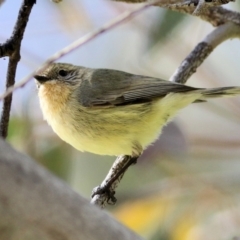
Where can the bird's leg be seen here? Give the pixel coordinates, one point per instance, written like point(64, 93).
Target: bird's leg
point(104, 193)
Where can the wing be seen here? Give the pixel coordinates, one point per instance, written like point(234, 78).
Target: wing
point(105, 87)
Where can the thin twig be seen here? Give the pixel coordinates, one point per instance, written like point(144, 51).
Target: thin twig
point(5, 115)
point(190, 64)
point(105, 192)
point(203, 5)
point(214, 15)
point(12, 49)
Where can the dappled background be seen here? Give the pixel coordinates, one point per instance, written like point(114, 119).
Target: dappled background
point(186, 185)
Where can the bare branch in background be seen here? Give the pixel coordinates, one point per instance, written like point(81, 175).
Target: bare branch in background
point(214, 15)
point(203, 49)
point(191, 63)
point(203, 5)
point(36, 205)
point(12, 49)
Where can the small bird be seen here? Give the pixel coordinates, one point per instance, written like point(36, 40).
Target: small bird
point(111, 112)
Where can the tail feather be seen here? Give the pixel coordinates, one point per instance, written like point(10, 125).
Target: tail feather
point(220, 92)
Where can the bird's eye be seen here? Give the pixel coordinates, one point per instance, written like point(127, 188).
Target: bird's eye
point(63, 73)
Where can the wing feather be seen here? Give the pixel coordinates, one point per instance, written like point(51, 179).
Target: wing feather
point(112, 87)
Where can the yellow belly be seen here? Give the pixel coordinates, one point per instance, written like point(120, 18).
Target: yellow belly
point(112, 131)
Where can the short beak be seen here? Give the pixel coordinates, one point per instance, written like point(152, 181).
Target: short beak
point(41, 79)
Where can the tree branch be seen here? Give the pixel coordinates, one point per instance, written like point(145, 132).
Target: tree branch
point(214, 15)
point(202, 51)
point(105, 192)
point(36, 205)
point(203, 5)
point(12, 49)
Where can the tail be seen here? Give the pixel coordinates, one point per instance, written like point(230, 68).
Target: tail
point(219, 92)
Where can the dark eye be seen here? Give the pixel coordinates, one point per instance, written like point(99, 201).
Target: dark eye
point(63, 73)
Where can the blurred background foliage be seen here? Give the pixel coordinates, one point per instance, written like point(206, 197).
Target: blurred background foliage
point(186, 185)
